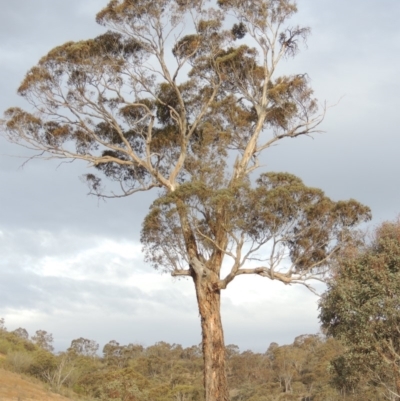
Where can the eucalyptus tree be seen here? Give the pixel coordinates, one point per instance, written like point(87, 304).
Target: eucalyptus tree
point(184, 96)
point(362, 309)
point(43, 339)
point(83, 346)
point(21, 333)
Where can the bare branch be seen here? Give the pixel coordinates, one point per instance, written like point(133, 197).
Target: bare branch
point(181, 273)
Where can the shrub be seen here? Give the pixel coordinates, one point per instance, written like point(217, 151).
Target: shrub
point(19, 362)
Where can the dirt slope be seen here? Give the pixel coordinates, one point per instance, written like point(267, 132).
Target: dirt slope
point(14, 388)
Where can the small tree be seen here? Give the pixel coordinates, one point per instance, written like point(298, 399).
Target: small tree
point(362, 309)
point(60, 373)
point(172, 98)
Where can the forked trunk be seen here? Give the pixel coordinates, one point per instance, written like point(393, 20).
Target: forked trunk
point(215, 381)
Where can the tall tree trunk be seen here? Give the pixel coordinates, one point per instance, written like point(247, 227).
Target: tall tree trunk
point(215, 381)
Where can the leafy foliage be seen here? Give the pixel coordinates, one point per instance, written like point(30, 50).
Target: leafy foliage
point(362, 309)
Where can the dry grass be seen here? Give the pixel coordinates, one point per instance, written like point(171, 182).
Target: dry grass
point(13, 387)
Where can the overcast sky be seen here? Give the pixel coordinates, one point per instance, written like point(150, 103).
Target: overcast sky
point(73, 266)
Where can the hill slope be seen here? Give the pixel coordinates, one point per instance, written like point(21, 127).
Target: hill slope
point(14, 388)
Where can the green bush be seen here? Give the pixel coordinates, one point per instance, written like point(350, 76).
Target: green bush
point(5, 346)
point(42, 361)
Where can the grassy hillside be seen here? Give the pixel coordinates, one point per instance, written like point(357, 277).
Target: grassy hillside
point(14, 387)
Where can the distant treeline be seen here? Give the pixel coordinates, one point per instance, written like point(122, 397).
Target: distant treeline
point(164, 372)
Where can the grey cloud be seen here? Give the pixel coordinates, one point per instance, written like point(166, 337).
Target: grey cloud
point(31, 22)
point(50, 196)
point(51, 294)
point(101, 306)
point(286, 313)
point(71, 308)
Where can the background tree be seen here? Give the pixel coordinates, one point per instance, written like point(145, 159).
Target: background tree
point(21, 332)
point(119, 355)
point(43, 339)
point(362, 309)
point(172, 97)
point(83, 346)
point(287, 364)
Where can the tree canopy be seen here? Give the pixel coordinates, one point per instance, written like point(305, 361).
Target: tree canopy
point(150, 104)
